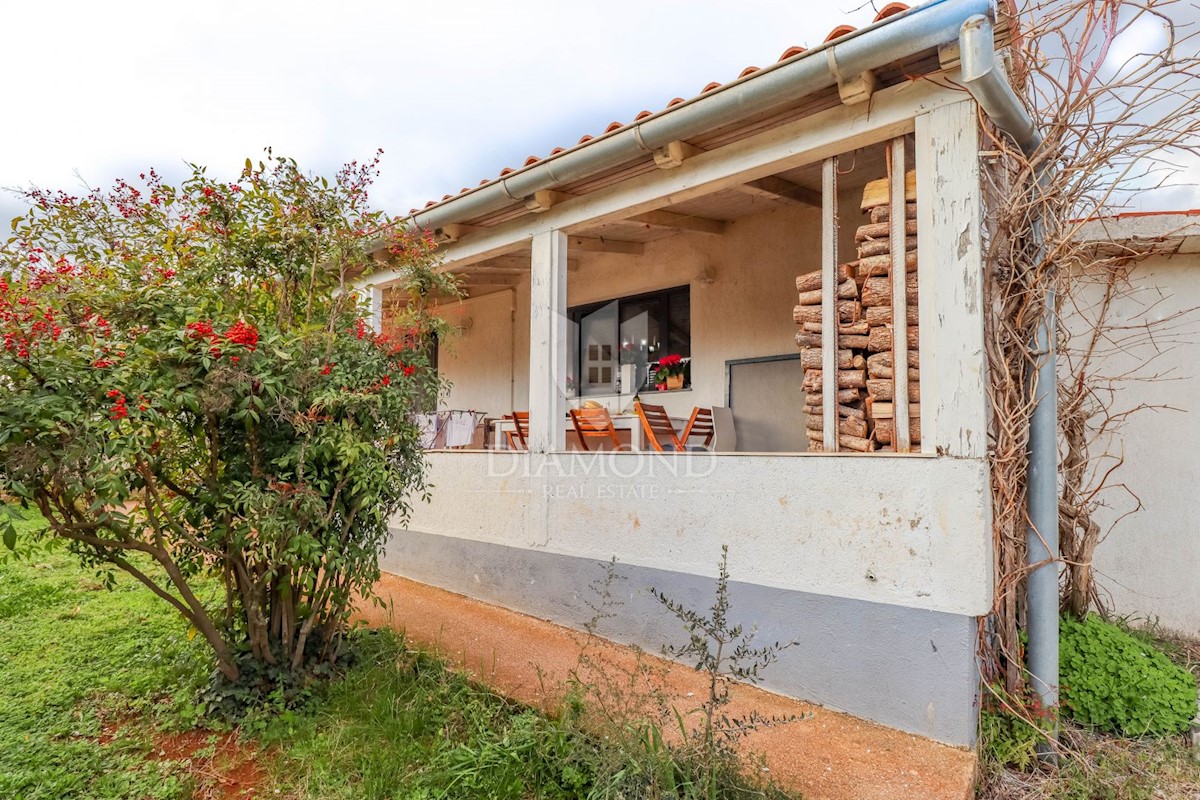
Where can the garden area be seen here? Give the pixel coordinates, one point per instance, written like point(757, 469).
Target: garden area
point(105, 695)
point(204, 443)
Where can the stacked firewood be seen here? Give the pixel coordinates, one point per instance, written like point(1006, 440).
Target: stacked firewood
point(850, 363)
point(875, 269)
point(865, 369)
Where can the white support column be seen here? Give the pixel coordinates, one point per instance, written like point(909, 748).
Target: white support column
point(829, 315)
point(901, 440)
point(950, 274)
point(548, 343)
point(375, 308)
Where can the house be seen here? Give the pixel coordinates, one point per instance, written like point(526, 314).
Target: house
point(684, 232)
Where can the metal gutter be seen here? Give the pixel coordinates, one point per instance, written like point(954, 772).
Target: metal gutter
point(844, 59)
point(985, 80)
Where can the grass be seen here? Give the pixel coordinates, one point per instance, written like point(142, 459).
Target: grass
point(96, 684)
point(94, 680)
point(1102, 766)
point(401, 720)
point(74, 655)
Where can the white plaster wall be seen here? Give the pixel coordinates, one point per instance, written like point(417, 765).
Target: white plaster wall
point(478, 359)
point(1150, 562)
point(905, 530)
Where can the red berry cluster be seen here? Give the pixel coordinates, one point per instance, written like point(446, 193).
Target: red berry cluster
point(200, 330)
point(119, 409)
point(24, 322)
point(127, 199)
point(414, 244)
point(242, 333)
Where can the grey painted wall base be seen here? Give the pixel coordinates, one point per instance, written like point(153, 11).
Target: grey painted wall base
point(906, 668)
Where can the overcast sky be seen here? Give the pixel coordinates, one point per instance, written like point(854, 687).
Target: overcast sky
point(452, 91)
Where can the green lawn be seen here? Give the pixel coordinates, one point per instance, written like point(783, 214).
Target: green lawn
point(92, 680)
point(74, 655)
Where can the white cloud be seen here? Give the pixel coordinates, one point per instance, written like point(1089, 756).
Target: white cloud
point(453, 92)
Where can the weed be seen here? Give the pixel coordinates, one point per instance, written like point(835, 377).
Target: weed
point(724, 653)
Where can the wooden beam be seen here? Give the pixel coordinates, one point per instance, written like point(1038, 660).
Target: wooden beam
point(829, 283)
point(954, 414)
point(489, 273)
point(901, 433)
point(858, 89)
point(473, 281)
point(448, 234)
point(516, 264)
point(476, 291)
point(589, 245)
point(682, 222)
point(777, 188)
point(674, 154)
point(545, 199)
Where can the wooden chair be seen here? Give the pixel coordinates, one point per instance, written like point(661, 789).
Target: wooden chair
point(700, 424)
point(516, 437)
point(594, 423)
point(656, 422)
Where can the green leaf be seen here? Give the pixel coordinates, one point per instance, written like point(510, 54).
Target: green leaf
point(10, 533)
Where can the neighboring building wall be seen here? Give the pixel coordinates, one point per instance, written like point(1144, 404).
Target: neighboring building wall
point(1150, 562)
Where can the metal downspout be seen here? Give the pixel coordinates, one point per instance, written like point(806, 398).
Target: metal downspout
point(986, 82)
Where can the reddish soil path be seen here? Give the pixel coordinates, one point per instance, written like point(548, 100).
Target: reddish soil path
point(829, 756)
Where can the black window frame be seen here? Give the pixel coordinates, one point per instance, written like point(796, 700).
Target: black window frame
point(575, 315)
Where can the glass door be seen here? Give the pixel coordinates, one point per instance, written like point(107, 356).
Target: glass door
point(598, 351)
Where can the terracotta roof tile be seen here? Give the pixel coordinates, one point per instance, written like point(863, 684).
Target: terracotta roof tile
point(888, 10)
point(839, 32)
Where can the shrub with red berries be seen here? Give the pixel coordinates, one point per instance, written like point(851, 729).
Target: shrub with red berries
point(181, 381)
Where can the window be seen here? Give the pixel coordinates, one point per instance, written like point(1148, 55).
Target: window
point(615, 345)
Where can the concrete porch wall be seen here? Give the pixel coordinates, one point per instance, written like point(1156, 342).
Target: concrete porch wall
point(882, 593)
